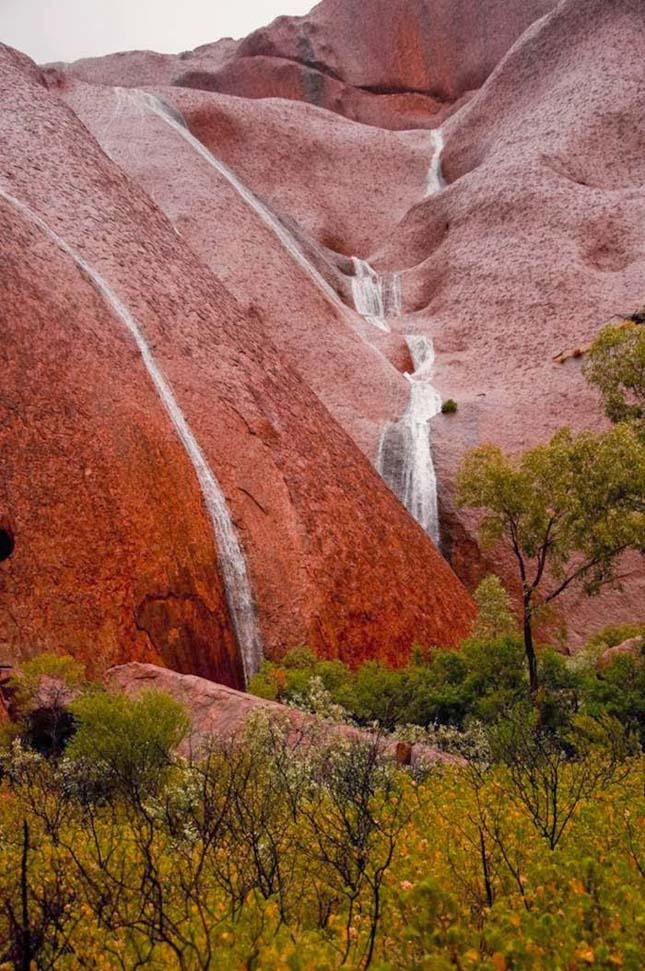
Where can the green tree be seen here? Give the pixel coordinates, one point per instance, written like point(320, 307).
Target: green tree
point(566, 509)
point(495, 617)
point(616, 366)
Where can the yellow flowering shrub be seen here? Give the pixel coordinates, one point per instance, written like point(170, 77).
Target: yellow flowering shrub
point(261, 858)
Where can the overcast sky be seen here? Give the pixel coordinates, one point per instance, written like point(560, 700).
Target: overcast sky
point(63, 30)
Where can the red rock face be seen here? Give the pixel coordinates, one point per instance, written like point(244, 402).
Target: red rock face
point(114, 554)
point(534, 242)
point(395, 64)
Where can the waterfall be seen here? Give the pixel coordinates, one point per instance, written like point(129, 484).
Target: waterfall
point(405, 456)
point(174, 118)
point(405, 453)
point(376, 297)
point(436, 181)
point(231, 557)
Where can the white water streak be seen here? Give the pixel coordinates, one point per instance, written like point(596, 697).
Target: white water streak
point(425, 402)
point(405, 453)
point(232, 562)
point(376, 297)
point(436, 181)
point(173, 117)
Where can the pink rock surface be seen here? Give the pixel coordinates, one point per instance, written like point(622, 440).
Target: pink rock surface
point(328, 343)
point(220, 713)
point(277, 77)
point(341, 181)
point(114, 555)
point(442, 47)
point(389, 63)
point(537, 241)
point(630, 648)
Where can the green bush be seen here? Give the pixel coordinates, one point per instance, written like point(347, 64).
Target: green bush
point(58, 667)
point(41, 720)
point(123, 744)
point(482, 682)
point(449, 407)
point(619, 690)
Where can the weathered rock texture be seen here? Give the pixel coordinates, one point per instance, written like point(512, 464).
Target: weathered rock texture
point(113, 554)
point(221, 714)
point(390, 63)
point(538, 240)
point(242, 285)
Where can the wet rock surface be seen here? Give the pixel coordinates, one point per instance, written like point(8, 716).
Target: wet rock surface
point(521, 245)
point(105, 505)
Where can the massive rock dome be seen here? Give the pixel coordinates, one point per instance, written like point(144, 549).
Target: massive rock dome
point(237, 283)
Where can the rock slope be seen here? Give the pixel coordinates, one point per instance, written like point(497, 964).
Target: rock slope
point(114, 554)
point(219, 714)
point(235, 222)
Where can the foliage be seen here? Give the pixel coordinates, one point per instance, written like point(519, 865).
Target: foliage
point(496, 680)
point(448, 687)
point(58, 667)
point(124, 744)
point(446, 691)
point(538, 759)
point(616, 366)
point(619, 690)
point(566, 510)
point(286, 853)
point(495, 616)
point(449, 407)
point(40, 693)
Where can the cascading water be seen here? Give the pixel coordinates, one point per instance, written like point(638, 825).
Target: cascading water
point(405, 456)
point(375, 297)
point(436, 181)
point(232, 562)
point(174, 118)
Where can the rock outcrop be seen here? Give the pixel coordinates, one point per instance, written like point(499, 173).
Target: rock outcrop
point(634, 647)
point(233, 222)
point(113, 554)
point(396, 64)
point(221, 714)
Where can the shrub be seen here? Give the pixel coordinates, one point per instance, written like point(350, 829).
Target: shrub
point(58, 667)
point(619, 690)
point(496, 680)
point(41, 694)
point(616, 366)
point(449, 407)
point(124, 745)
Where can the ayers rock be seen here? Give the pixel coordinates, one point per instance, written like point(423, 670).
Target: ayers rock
point(237, 283)
point(171, 488)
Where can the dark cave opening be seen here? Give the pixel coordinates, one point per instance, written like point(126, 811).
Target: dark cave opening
point(6, 544)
